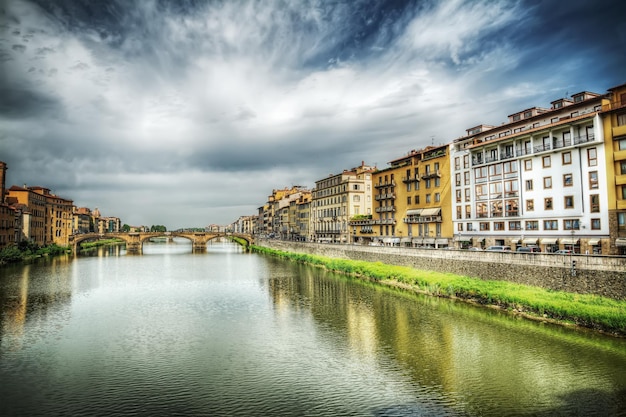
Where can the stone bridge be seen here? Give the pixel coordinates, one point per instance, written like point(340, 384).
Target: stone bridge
point(134, 240)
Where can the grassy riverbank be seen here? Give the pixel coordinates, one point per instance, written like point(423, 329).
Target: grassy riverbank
point(584, 310)
point(27, 251)
point(97, 243)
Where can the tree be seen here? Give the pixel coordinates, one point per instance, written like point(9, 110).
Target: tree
point(125, 228)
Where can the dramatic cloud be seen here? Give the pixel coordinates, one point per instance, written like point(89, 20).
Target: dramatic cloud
point(188, 113)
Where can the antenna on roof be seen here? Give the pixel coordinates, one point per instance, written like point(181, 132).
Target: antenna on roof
point(432, 140)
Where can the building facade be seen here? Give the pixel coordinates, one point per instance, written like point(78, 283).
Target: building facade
point(337, 199)
point(537, 180)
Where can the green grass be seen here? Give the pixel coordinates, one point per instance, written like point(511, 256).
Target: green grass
point(591, 311)
point(102, 242)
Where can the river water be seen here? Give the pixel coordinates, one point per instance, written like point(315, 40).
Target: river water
point(229, 333)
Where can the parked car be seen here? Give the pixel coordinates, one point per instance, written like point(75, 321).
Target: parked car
point(498, 248)
point(528, 249)
point(564, 252)
point(474, 248)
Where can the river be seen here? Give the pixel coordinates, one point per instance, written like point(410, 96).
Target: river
point(230, 333)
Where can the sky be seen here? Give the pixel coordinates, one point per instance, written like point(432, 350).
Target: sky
point(189, 113)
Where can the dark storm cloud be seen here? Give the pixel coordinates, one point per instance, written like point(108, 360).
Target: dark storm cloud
point(116, 104)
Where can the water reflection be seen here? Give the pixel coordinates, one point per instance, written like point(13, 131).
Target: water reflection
point(231, 333)
point(469, 358)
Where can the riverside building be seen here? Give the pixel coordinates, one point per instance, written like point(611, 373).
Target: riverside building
point(538, 179)
point(337, 199)
point(412, 200)
point(614, 118)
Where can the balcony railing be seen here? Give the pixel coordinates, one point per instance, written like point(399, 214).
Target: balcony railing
point(385, 184)
point(424, 219)
point(411, 179)
point(431, 174)
point(389, 196)
point(385, 209)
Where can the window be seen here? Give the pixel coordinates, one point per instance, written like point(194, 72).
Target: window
point(466, 161)
point(498, 225)
point(468, 195)
point(356, 198)
point(468, 212)
point(547, 182)
point(528, 165)
point(515, 225)
point(622, 166)
point(571, 224)
point(481, 210)
point(566, 158)
point(437, 197)
point(427, 198)
point(595, 203)
point(458, 196)
point(592, 157)
point(593, 180)
point(428, 183)
point(532, 225)
point(568, 201)
point(547, 203)
point(408, 201)
point(621, 144)
point(459, 212)
point(568, 180)
point(623, 192)
point(483, 226)
point(550, 225)
point(621, 118)
point(466, 178)
point(529, 185)
point(470, 228)
point(546, 161)
point(459, 227)
point(457, 163)
point(481, 192)
point(457, 178)
point(511, 188)
point(530, 205)
point(595, 224)
point(437, 182)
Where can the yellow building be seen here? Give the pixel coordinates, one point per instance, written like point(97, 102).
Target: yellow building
point(412, 200)
point(614, 123)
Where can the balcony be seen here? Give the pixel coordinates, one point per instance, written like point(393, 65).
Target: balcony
point(390, 196)
point(385, 221)
point(385, 184)
point(385, 209)
point(584, 139)
point(422, 219)
point(415, 178)
point(432, 174)
point(619, 131)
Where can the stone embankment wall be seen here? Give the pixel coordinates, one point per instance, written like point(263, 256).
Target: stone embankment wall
point(600, 275)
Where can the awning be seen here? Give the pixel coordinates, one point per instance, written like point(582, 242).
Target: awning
point(529, 241)
point(413, 212)
point(515, 240)
point(548, 241)
point(593, 242)
point(405, 240)
point(387, 240)
point(462, 239)
point(479, 239)
point(429, 241)
point(620, 241)
point(431, 212)
point(418, 240)
point(569, 241)
point(442, 241)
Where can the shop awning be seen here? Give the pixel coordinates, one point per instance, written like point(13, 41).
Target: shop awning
point(429, 241)
point(593, 242)
point(479, 239)
point(515, 240)
point(620, 241)
point(548, 241)
point(569, 241)
point(405, 240)
point(431, 212)
point(442, 241)
point(529, 241)
point(413, 212)
point(462, 239)
point(418, 240)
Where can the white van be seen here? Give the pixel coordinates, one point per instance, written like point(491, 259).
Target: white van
point(498, 249)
